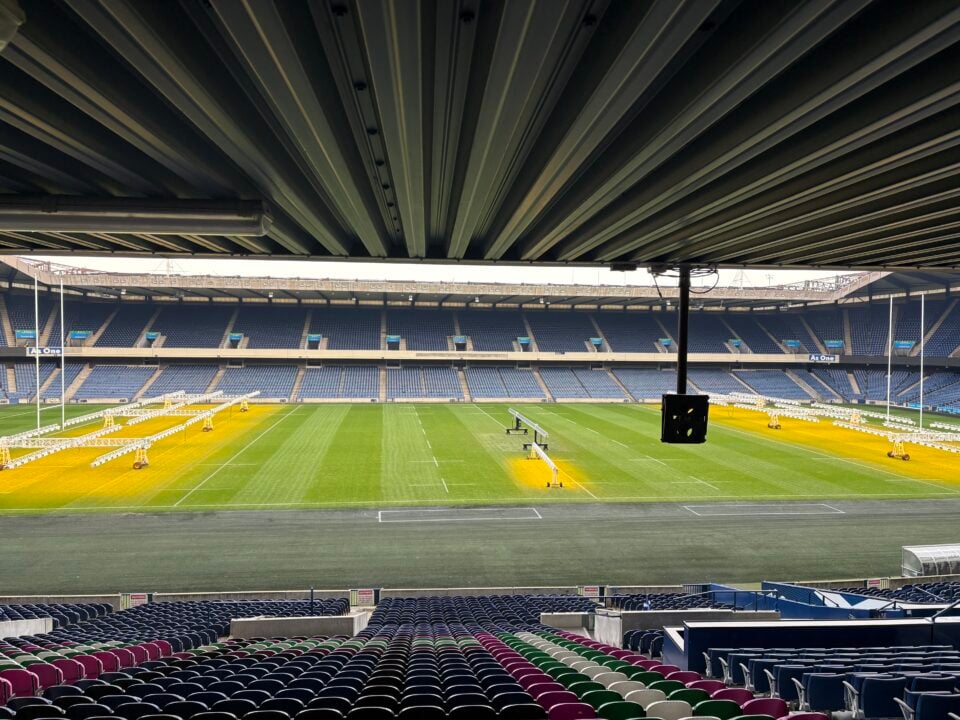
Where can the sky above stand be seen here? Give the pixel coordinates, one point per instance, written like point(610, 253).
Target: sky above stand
point(421, 271)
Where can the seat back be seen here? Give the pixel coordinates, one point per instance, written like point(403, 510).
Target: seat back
point(669, 709)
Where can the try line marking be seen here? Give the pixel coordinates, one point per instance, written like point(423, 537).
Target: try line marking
point(457, 515)
point(752, 509)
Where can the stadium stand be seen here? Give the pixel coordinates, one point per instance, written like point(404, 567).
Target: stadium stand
point(347, 328)
point(113, 381)
point(494, 382)
point(599, 384)
point(634, 331)
point(868, 330)
point(73, 369)
point(441, 382)
point(127, 327)
point(561, 331)
point(185, 326)
point(934, 592)
point(826, 324)
point(748, 329)
point(360, 382)
point(270, 326)
point(273, 381)
point(666, 601)
point(20, 311)
point(563, 383)
point(708, 334)
point(773, 383)
point(26, 378)
point(715, 381)
point(188, 378)
point(945, 340)
point(645, 382)
point(421, 328)
point(406, 382)
point(492, 330)
point(85, 317)
point(837, 380)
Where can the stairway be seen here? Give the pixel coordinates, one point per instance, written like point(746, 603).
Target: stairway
point(936, 326)
point(79, 380)
point(827, 391)
point(596, 327)
point(7, 327)
point(92, 340)
point(382, 392)
point(543, 386)
point(807, 388)
point(295, 393)
point(383, 331)
point(854, 385)
point(464, 387)
point(49, 381)
point(142, 392)
point(11, 375)
point(216, 379)
point(666, 334)
point(847, 335)
point(146, 329)
point(229, 329)
point(812, 334)
point(529, 330)
point(623, 388)
point(306, 328)
point(47, 329)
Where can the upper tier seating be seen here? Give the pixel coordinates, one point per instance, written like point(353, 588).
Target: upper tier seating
point(556, 331)
point(20, 310)
point(84, 317)
point(271, 326)
point(748, 328)
point(273, 381)
point(347, 328)
point(869, 330)
point(188, 378)
point(127, 327)
point(827, 324)
point(633, 331)
point(492, 330)
point(946, 339)
point(708, 334)
point(114, 382)
point(194, 325)
point(422, 328)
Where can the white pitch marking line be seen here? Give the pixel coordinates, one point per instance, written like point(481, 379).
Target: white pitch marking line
point(445, 485)
point(704, 482)
point(238, 454)
point(786, 509)
point(488, 415)
point(539, 516)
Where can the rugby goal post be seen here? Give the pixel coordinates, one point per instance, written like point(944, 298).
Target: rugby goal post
point(537, 452)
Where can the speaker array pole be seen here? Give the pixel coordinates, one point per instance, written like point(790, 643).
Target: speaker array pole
point(683, 318)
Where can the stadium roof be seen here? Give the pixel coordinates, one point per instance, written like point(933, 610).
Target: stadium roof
point(20, 272)
point(775, 133)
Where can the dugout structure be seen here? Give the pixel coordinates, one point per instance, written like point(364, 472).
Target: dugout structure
point(921, 560)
